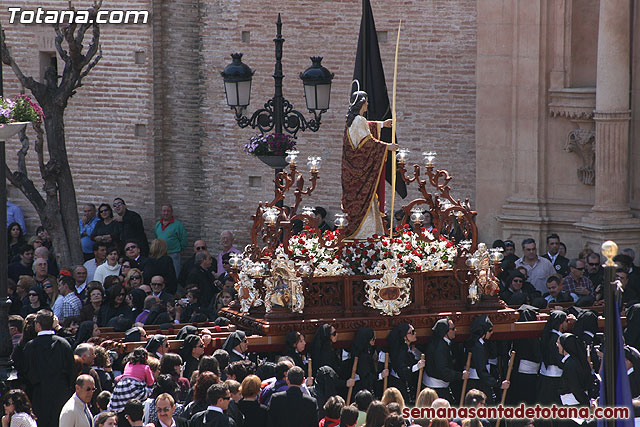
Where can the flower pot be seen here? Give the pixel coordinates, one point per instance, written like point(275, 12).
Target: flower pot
point(276, 162)
point(7, 130)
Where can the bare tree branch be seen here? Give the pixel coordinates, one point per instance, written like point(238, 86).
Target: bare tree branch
point(89, 67)
point(22, 153)
point(59, 37)
point(39, 146)
point(93, 47)
point(27, 187)
point(28, 82)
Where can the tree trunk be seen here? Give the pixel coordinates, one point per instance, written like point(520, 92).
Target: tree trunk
point(63, 216)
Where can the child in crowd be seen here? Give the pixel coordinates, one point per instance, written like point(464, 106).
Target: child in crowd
point(137, 367)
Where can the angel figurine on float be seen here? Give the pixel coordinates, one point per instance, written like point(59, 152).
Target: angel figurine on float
point(363, 158)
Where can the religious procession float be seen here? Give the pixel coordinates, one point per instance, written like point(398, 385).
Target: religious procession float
point(418, 273)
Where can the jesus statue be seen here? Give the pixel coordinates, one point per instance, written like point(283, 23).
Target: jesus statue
point(363, 159)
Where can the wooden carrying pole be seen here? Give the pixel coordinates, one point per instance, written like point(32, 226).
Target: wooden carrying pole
point(386, 366)
point(466, 380)
point(419, 379)
point(353, 376)
point(504, 392)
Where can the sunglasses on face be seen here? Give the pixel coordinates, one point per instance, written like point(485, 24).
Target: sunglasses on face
point(116, 204)
point(47, 286)
point(226, 397)
point(156, 284)
point(135, 277)
point(104, 210)
point(90, 389)
point(594, 264)
point(334, 333)
point(578, 268)
point(129, 248)
point(201, 248)
point(517, 280)
point(412, 332)
point(33, 295)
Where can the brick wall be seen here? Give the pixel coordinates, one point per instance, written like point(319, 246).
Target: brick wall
point(192, 152)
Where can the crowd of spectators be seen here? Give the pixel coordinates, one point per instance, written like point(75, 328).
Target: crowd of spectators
point(69, 375)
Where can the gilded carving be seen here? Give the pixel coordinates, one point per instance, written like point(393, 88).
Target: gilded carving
point(390, 293)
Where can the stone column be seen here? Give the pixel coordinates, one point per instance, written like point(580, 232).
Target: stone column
point(610, 217)
point(612, 114)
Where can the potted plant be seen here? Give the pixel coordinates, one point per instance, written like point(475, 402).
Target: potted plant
point(271, 148)
point(16, 113)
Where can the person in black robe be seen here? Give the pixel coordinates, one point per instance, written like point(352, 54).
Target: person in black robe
point(322, 351)
point(632, 331)
point(404, 363)
point(236, 345)
point(576, 372)
point(632, 359)
point(526, 364)
point(366, 371)
point(49, 372)
point(85, 331)
point(551, 367)
point(191, 351)
point(586, 330)
point(479, 376)
point(439, 370)
point(295, 345)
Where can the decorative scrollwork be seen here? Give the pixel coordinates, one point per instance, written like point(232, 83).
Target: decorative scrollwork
point(451, 218)
point(293, 121)
point(389, 294)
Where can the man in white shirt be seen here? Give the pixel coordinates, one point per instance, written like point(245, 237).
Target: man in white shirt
point(99, 256)
point(538, 268)
point(75, 412)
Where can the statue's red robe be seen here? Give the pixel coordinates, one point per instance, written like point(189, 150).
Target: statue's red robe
point(362, 168)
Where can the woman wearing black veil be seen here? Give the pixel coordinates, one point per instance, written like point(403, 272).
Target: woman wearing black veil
point(551, 367)
point(322, 351)
point(404, 364)
point(326, 365)
point(527, 362)
point(479, 376)
point(632, 359)
point(632, 332)
point(295, 348)
point(576, 372)
point(585, 329)
point(366, 371)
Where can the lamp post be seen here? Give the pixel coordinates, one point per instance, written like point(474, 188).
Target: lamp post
point(278, 113)
point(5, 339)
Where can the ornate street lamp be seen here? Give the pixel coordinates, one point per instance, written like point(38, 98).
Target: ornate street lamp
point(278, 113)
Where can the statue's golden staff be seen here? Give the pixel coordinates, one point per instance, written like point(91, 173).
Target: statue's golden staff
point(393, 133)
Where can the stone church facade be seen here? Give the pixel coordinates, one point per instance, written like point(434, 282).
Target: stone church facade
point(504, 91)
